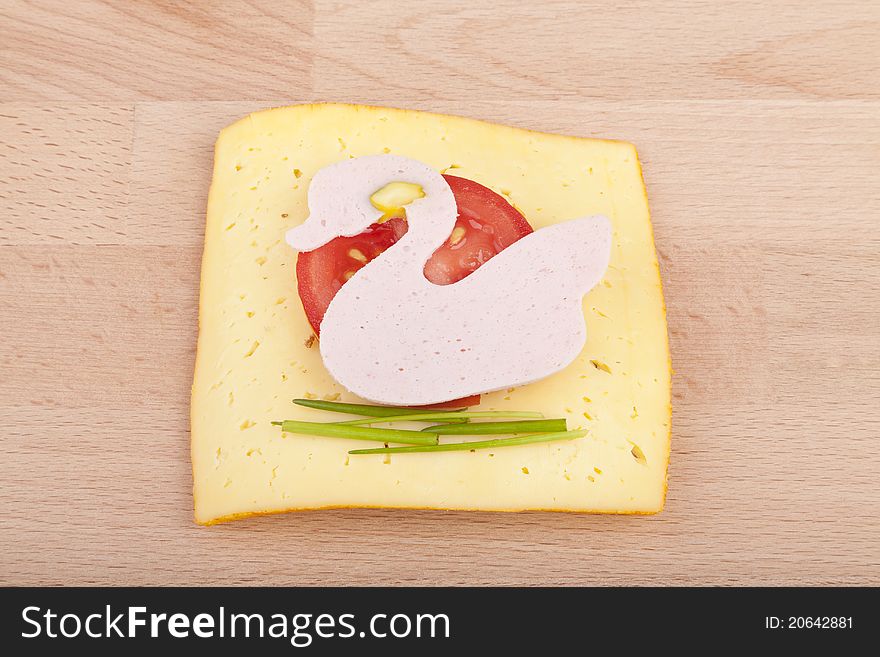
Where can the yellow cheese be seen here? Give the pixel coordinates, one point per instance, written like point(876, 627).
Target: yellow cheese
point(256, 351)
point(392, 198)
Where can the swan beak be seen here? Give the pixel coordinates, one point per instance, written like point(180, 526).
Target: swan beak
point(309, 235)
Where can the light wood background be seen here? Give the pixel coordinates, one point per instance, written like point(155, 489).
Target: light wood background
point(758, 124)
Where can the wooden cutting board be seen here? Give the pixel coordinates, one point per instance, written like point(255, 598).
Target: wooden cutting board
point(759, 128)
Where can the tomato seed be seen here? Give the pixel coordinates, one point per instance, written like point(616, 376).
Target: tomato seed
point(358, 255)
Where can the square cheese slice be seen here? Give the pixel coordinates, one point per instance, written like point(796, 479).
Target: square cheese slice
point(256, 352)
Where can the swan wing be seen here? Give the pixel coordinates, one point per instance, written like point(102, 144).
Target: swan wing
point(571, 256)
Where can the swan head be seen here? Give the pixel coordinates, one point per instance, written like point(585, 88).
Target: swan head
point(339, 196)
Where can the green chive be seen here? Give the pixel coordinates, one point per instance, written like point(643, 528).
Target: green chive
point(479, 428)
point(359, 433)
point(481, 444)
point(365, 409)
point(445, 415)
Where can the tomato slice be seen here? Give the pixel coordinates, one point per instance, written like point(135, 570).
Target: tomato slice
point(464, 402)
point(486, 224)
point(320, 273)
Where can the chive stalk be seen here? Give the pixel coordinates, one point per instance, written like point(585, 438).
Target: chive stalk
point(480, 444)
point(332, 429)
point(481, 428)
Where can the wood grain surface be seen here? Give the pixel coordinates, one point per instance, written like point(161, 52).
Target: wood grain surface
point(758, 125)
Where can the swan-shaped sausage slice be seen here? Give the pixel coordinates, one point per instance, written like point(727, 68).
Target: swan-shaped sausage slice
point(393, 337)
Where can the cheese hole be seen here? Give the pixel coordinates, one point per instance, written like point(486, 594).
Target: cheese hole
point(297, 173)
point(457, 235)
point(599, 365)
point(250, 352)
point(525, 470)
point(247, 424)
point(639, 455)
point(358, 255)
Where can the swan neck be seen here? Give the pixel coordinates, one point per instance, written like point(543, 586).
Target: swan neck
point(430, 221)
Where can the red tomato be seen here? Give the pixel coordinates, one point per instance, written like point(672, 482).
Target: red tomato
point(320, 273)
point(464, 402)
point(486, 224)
